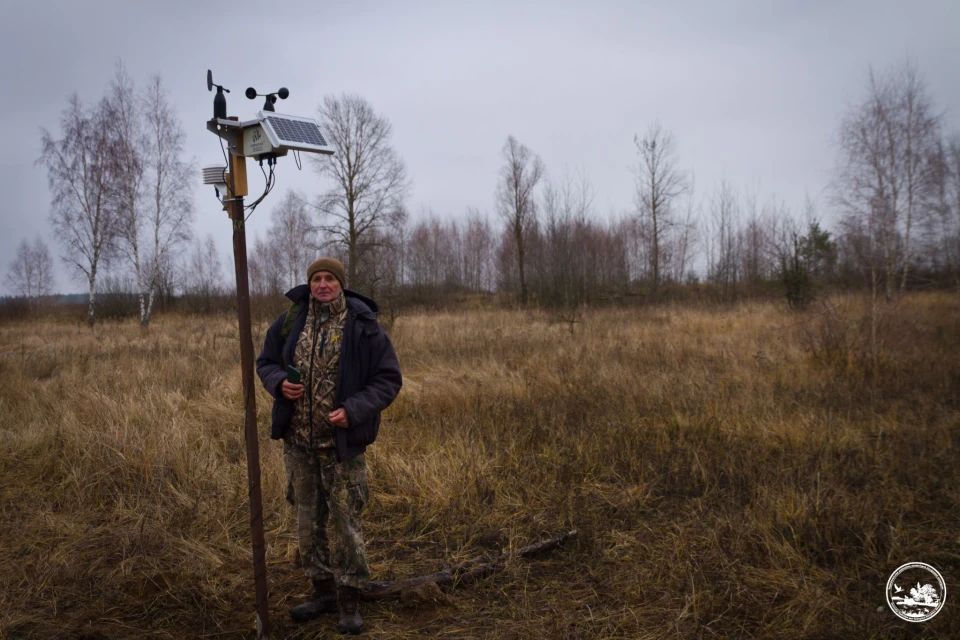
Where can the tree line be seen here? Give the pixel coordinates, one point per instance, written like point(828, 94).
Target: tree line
point(896, 192)
point(121, 198)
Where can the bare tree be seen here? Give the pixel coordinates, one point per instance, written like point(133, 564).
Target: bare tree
point(204, 272)
point(519, 176)
point(418, 256)
point(724, 246)
point(267, 269)
point(388, 269)
point(78, 173)
point(169, 272)
point(951, 209)
point(761, 238)
point(567, 248)
point(31, 271)
point(369, 183)
point(685, 238)
point(149, 182)
point(885, 180)
point(169, 197)
point(635, 245)
point(478, 251)
point(608, 264)
point(943, 226)
point(658, 183)
point(435, 253)
point(42, 266)
point(920, 132)
point(753, 241)
point(126, 141)
point(384, 266)
point(294, 236)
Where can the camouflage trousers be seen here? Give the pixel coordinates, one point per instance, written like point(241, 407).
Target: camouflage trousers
point(328, 497)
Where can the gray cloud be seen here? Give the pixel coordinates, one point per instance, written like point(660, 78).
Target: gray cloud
point(753, 94)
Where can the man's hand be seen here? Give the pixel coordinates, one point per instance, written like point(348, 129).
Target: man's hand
point(338, 417)
point(290, 390)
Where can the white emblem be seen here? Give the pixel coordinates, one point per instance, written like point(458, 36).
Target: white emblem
point(916, 592)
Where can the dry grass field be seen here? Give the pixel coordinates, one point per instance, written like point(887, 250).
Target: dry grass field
point(741, 472)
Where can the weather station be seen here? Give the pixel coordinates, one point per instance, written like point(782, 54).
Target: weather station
point(265, 138)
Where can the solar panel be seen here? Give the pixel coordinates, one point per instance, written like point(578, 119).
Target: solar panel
point(297, 131)
point(294, 132)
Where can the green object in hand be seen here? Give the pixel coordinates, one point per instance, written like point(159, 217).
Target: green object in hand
point(293, 374)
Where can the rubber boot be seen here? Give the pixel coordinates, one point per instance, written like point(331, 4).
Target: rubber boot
point(323, 600)
point(348, 603)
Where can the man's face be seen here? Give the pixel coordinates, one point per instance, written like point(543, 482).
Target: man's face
point(324, 286)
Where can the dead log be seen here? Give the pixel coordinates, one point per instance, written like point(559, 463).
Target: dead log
point(463, 572)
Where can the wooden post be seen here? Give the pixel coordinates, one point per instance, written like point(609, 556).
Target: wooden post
point(234, 206)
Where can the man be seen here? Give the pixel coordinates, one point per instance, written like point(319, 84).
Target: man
point(327, 411)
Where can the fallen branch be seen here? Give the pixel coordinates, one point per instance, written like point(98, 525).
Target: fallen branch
point(463, 572)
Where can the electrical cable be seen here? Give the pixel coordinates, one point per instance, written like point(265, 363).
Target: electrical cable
point(226, 162)
point(296, 158)
point(269, 180)
point(269, 183)
point(223, 174)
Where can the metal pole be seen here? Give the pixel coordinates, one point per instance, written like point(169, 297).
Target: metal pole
point(234, 208)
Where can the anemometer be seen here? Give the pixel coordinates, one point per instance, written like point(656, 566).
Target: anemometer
point(266, 137)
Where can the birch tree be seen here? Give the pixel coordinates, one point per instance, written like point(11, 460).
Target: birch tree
point(369, 183)
point(478, 250)
point(126, 157)
point(78, 173)
point(658, 183)
point(884, 183)
point(292, 232)
point(168, 206)
point(521, 172)
point(31, 271)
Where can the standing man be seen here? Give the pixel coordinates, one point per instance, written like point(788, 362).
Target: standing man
point(331, 370)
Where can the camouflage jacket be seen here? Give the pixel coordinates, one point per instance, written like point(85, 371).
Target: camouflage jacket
point(368, 376)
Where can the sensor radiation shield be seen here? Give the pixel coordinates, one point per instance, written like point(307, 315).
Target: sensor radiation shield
point(217, 175)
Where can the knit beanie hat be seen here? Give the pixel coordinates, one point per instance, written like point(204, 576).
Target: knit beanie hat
point(332, 265)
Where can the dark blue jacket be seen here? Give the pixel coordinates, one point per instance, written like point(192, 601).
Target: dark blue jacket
point(367, 381)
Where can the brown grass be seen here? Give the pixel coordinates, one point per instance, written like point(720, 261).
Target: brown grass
point(738, 473)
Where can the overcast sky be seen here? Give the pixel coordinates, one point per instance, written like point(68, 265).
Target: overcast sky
point(753, 92)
